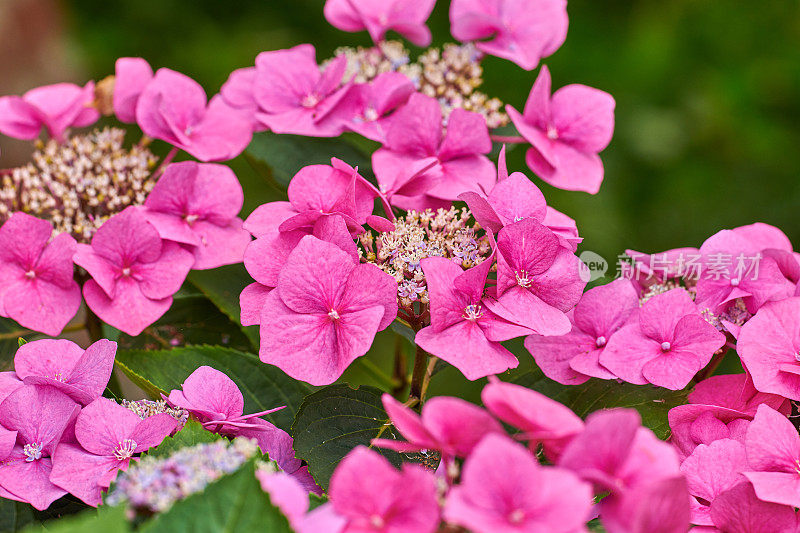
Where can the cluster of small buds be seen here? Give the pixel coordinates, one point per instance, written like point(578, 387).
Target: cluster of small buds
point(661, 288)
point(446, 233)
point(736, 313)
point(147, 408)
point(364, 64)
point(153, 484)
point(79, 184)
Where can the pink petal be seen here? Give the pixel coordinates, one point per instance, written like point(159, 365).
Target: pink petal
point(284, 77)
point(523, 307)
point(659, 316)
point(19, 119)
point(458, 425)
point(627, 352)
point(368, 286)
point(772, 442)
point(152, 431)
point(416, 128)
point(42, 306)
point(446, 304)
point(516, 198)
point(604, 309)
point(407, 422)
point(221, 135)
point(776, 487)
point(265, 257)
point(162, 278)
point(537, 106)
point(129, 310)
point(30, 481)
point(584, 117)
point(252, 301)
point(469, 173)
point(132, 76)
point(103, 425)
point(267, 217)
point(79, 472)
point(556, 356)
point(39, 415)
point(738, 510)
point(466, 135)
point(208, 389)
point(220, 245)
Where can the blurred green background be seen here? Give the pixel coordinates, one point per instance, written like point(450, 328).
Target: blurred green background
point(707, 91)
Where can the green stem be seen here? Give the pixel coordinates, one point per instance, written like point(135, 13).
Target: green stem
point(373, 370)
point(94, 326)
point(418, 376)
point(712, 366)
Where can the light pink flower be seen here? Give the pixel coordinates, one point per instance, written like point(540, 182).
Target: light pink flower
point(573, 358)
point(406, 17)
point(39, 414)
point(738, 510)
point(769, 346)
point(196, 204)
point(503, 489)
point(325, 312)
point(415, 135)
point(372, 104)
point(372, 496)
point(134, 273)
point(81, 375)
point(108, 436)
point(668, 345)
point(56, 107)
point(566, 132)
point(464, 331)
point(522, 31)
point(451, 426)
point(132, 76)
point(37, 287)
point(173, 108)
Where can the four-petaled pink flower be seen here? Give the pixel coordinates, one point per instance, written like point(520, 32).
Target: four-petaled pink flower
point(414, 134)
point(464, 331)
point(56, 107)
point(572, 358)
point(134, 273)
point(37, 287)
point(108, 435)
point(324, 312)
point(80, 374)
point(132, 74)
point(370, 495)
point(196, 204)
point(566, 132)
point(522, 31)
point(504, 489)
point(667, 346)
point(174, 108)
point(406, 17)
point(40, 415)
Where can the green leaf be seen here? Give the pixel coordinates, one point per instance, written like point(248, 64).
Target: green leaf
point(263, 386)
point(279, 157)
point(403, 328)
point(232, 503)
point(15, 515)
point(222, 286)
point(192, 433)
point(105, 519)
point(333, 421)
point(653, 403)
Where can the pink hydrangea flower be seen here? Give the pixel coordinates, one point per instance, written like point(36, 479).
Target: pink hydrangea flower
point(37, 287)
point(464, 331)
point(538, 280)
point(503, 489)
point(566, 132)
point(668, 345)
point(325, 312)
point(414, 135)
point(451, 426)
point(372, 104)
point(522, 31)
point(134, 273)
point(40, 415)
point(406, 17)
point(108, 435)
point(196, 204)
point(81, 375)
point(693, 425)
point(372, 496)
point(572, 358)
point(738, 510)
point(56, 107)
point(173, 107)
point(769, 346)
point(132, 74)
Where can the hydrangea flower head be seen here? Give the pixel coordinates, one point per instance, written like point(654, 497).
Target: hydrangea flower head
point(406, 17)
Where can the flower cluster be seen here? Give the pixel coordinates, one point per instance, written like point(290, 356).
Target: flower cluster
point(146, 408)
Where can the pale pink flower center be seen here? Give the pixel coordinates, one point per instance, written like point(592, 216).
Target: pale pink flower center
point(190, 219)
point(735, 282)
point(370, 114)
point(126, 271)
point(377, 521)
point(552, 132)
point(516, 516)
point(310, 100)
point(30, 274)
point(33, 452)
point(125, 449)
point(58, 376)
point(665, 346)
point(334, 314)
point(600, 342)
point(522, 279)
point(472, 312)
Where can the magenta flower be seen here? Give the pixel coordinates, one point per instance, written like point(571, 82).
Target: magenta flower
point(372, 104)
point(132, 76)
point(573, 358)
point(773, 454)
point(693, 425)
point(522, 31)
point(670, 343)
point(196, 204)
point(324, 312)
point(503, 489)
point(538, 280)
point(372, 496)
point(134, 273)
point(739, 510)
point(39, 415)
point(81, 375)
point(566, 132)
point(37, 287)
point(406, 17)
point(541, 420)
point(464, 331)
point(56, 107)
point(711, 470)
point(108, 436)
point(173, 108)
point(769, 346)
point(415, 134)
point(451, 426)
